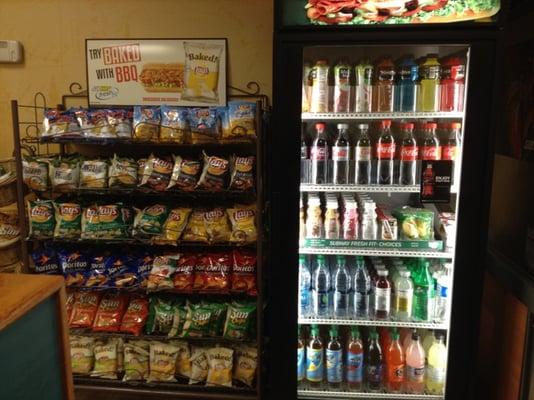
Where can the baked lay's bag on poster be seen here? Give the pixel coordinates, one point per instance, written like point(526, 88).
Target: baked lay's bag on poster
point(202, 71)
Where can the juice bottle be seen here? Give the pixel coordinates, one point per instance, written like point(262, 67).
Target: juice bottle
point(315, 358)
point(383, 88)
point(384, 337)
point(364, 87)
point(319, 87)
point(406, 88)
point(437, 365)
point(452, 84)
point(408, 340)
point(403, 296)
point(430, 72)
point(342, 78)
point(373, 363)
point(301, 356)
point(415, 366)
point(334, 359)
point(395, 363)
point(355, 360)
point(428, 341)
point(382, 295)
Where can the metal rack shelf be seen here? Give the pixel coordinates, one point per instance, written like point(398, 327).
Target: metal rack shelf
point(342, 394)
point(369, 322)
point(381, 115)
point(308, 187)
point(163, 338)
point(378, 253)
point(141, 242)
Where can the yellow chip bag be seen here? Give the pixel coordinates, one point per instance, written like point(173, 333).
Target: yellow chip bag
point(246, 361)
point(220, 361)
point(217, 225)
point(162, 362)
point(136, 361)
point(195, 231)
point(106, 360)
point(202, 71)
point(175, 224)
point(81, 354)
point(199, 365)
point(183, 359)
point(243, 220)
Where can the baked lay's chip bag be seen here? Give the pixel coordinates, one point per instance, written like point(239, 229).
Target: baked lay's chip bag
point(135, 316)
point(243, 220)
point(136, 360)
point(162, 362)
point(242, 173)
point(110, 312)
point(220, 362)
point(199, 365)
point(245, 364)
point(82, 354)
point(217, 225)
point(68, 220)
point(214, 174)
point(183, 359)
point(41, 218)
point(195, 230)
point(107, 358)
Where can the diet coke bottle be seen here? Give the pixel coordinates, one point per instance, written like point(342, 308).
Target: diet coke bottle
point(408, 155)
point(362, 156)
point(385, 154)
point(340, 156)
point(319, 155)
point(430, 148)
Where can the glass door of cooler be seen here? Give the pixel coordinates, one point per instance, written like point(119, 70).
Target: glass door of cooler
point(381, 155)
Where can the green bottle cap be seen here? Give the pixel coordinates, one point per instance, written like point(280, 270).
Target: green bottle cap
point(334, 331)
point(321, 257)
point(302, 258)
point(315, 329)
point(395, 335)
point(355, 332)
point(340, 258)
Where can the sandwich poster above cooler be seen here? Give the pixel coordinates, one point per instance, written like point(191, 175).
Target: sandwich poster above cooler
point(184, 72)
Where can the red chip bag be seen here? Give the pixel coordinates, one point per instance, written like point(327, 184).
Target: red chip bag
point(69, 303)
point(135, 317)
point(217, 274)
point(84, 309)
point(199, 283)
point(110, 312)
point(244, 272)
point(184, 277)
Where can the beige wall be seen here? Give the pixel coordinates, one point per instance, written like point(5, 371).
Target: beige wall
point(53, 33)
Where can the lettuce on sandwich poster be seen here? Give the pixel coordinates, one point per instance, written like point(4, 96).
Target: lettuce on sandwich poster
point(364, 12)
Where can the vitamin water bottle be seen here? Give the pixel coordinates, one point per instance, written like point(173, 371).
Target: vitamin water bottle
point(315, 358)
point(355, 360)
point(430, 72)
point(301, 356)
point(334, 359)
point(437, 365)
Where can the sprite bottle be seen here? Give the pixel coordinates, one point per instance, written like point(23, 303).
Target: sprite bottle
point(423, 296)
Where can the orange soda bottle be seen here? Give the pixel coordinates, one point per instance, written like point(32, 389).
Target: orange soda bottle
point(395, 363)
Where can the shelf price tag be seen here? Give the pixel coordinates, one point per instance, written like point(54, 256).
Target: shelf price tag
point(436, 177)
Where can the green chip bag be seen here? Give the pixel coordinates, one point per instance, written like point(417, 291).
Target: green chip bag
point(160, 316)
point(240, 319)
point(198, 319)
point(218, 318)
point(68, 220)
point(180, 315)
point(41, 217)
point(150, 221)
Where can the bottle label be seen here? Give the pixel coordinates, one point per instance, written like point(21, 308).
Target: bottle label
point(431, 72)
point(319, 153)
point(382, 299)
point(430, 153)
point(341, 300)
point(304, 298)
point(457, 72)
point(422, 303)
point(304, 153)
point(363, 153)
point(448, 153)
point(321, 302)
point(334, 366)
point(435, 375)
point(404, 300)
point(415, 374)
point(385, 151)
point(386, 75)
point(343, 77)
point(361, 304)
point(301, 364)
point(374, 373)
point(354, 367)
point(395, 372)
point(340, 153)
point(409, 153)
point(314, 364)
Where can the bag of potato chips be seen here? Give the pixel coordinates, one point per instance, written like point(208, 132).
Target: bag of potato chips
point(68, 220)
point(243, 220)
point(199, 365)
point(162, 362)
point(94, 174)
point(214, 174)
point(246, 362)
point(81, 354)
point(242, 117)
point(174, 225)
point(195, 231)
point(146, 122)
point(184, 174)
point(136, 360)
point(220, 361)
point(183, 362)
point(122, 172)
point(174, 124)
point(217, 225)
point(201, 72)
point(42, 219)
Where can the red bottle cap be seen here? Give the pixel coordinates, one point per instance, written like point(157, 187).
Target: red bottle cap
point(320, 126)
point(431, 125)
point(385, 124)
point(407, 126)
point(456, 125)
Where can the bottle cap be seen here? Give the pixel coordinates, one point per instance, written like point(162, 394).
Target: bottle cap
point(456, 125)
point(342, 126)
point(407, 126)
point(340, 258)
point(363, 126)
point(431, 125)
point(382, 272)
point(385, 124)
point(320, 126)
point(321, 257)
point(333, 330)
point(322, 62)
point(415, 336)
point(405, 273)
point(355, 332)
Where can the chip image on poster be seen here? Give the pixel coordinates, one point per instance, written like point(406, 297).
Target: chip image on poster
point(180, 72)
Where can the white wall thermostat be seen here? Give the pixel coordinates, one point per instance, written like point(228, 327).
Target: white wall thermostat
point(10, 51)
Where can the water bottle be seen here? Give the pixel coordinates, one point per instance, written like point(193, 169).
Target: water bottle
point(321, 289)
point(362, 289)
point(342, 288)
point(442, 295)
point(369, 224)
point(304, 288)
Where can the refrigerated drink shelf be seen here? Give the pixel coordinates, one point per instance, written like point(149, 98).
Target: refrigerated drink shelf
point(325, 394)
point(372, 322)
point(308, 187)
point(373, 252)
point(381, 115)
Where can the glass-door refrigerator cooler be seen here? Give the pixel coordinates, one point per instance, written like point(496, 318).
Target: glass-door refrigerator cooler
point(381, 154)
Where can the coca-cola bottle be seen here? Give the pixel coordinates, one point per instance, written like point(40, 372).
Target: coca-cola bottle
point(304, 159)
point(319, 155)
point(428, 181)
point(408, 155)
point(385, 154)
point(340, 156)
point(362, 156)
point(449, 144)
point(430, 148)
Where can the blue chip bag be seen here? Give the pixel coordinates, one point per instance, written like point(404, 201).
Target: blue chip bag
point(174, 124)
point(45, 262)
point(97, 275)
point(204, 125)
point(121, 274)
point(74, 266)
point(143, 266)
point(242, 118)
point(146, 122)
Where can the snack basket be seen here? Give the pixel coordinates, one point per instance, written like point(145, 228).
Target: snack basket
point(8, 182)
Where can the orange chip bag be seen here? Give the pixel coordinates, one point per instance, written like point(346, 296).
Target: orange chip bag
point(217, 273)
point(195, 231)
point(84, 309)
point(135, 317)
point(243, 220)
point(217, 225)
point(69, 303)
point(244, 272)
point(184, 277)
point(110, 312)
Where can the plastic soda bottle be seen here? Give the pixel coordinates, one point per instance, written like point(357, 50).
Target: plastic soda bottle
point(395, 364)
point(406, 89)
point(342, 288)
point(430, 145)
point(382, 295)
point(315, 358)
point(334, 359)
point(383, 89)
point(355, 360)
point(321, 288)
point(305, 287)
point(373, 363)
point(430, 72)
point(319, 87)
point(385, 154)
point(364, 87)
point(319, 155)
point(363, 156)
point(409, 153)
point(403, 296)
point(341, 156)
point(342, 78)
point(362, 289)
point(301, 356)
point(423, 298)
point(415, 366)
point(452, 84)
point(437, 366)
